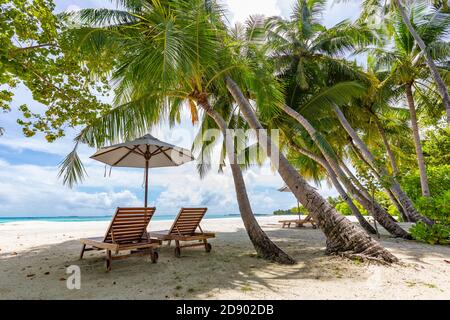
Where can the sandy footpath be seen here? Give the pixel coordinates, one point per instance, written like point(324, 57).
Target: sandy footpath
point(34, 257)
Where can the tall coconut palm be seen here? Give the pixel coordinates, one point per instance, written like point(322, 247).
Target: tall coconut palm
point(168, 56)
point(381, 123)
point(334, 179)
point(380, 170)
point(409, 69)
point(306, 56)
point(440, 16)
point(257, 80)
point(319, 49)
point(299, 143)
point(342, 236)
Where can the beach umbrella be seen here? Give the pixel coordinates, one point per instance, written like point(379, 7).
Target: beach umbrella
point(145, 152)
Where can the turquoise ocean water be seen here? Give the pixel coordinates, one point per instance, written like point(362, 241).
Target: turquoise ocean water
point(156, 217)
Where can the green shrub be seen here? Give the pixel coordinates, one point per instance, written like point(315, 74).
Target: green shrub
point(300, 209)
point(438, 181)
point(436, 207)
point(437, 234)
point(436, 146)
point(343, 208)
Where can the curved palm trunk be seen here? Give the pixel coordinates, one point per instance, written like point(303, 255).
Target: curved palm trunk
point(434, 71)
point(395, 187)
point(417, 143)
point(378, 176)
point(263, 245)
point(343, 237)
point(377, 211)
point(389, 152)
point(393, 163)
point(362, 221)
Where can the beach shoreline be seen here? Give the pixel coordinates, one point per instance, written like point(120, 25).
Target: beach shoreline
point(34, 258)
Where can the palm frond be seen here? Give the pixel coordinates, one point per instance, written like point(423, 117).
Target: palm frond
point(338, 94)
point(71, 169)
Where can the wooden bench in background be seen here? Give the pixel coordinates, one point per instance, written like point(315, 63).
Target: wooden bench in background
point(299, 223)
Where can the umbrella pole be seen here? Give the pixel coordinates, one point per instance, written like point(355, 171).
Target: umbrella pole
point(146, 182)
point(298, 210)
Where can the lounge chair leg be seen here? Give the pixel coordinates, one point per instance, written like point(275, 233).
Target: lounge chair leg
point(207, 245)
point(82, 251)
point(108, 260)
point(154, 255)
point(177, 249)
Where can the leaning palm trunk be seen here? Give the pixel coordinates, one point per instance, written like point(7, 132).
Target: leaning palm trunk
point(371, 206)
point(394, 185)
point(379, 178)
point(434, 71)
point(389, 152)
point(263, 245)
point(343, 237)
point(362, 221)
point(417, 143)
point(393, 163)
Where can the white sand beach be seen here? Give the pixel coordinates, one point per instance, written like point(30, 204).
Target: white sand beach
point(34, 257)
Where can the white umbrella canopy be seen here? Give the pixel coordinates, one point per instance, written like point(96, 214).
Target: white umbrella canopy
point(144, 152)
point(136, 154)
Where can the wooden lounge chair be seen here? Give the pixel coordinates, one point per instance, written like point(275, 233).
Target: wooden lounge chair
point(299, 223)
point(126, 232)
point(184, 230)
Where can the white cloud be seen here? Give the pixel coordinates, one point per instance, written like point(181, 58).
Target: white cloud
point(73, 8)
point(240, 10)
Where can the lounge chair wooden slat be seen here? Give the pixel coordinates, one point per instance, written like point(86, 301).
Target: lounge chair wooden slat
point(184, 229)
point(127, 231)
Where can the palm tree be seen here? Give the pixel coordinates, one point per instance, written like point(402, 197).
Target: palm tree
point(166, 55)
point(343, 237)
point(379, 170)
point(440, 18)
point(293, 136)
point(381, 124)
point(306, 56)
point(334, 179)
point(257, 79)
point(409, 70)
point(317, 51)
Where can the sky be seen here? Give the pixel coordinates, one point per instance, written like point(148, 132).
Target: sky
point(29, 185)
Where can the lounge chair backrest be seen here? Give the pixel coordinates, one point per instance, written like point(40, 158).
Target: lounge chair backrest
point(129, 225)
point(187, 221)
